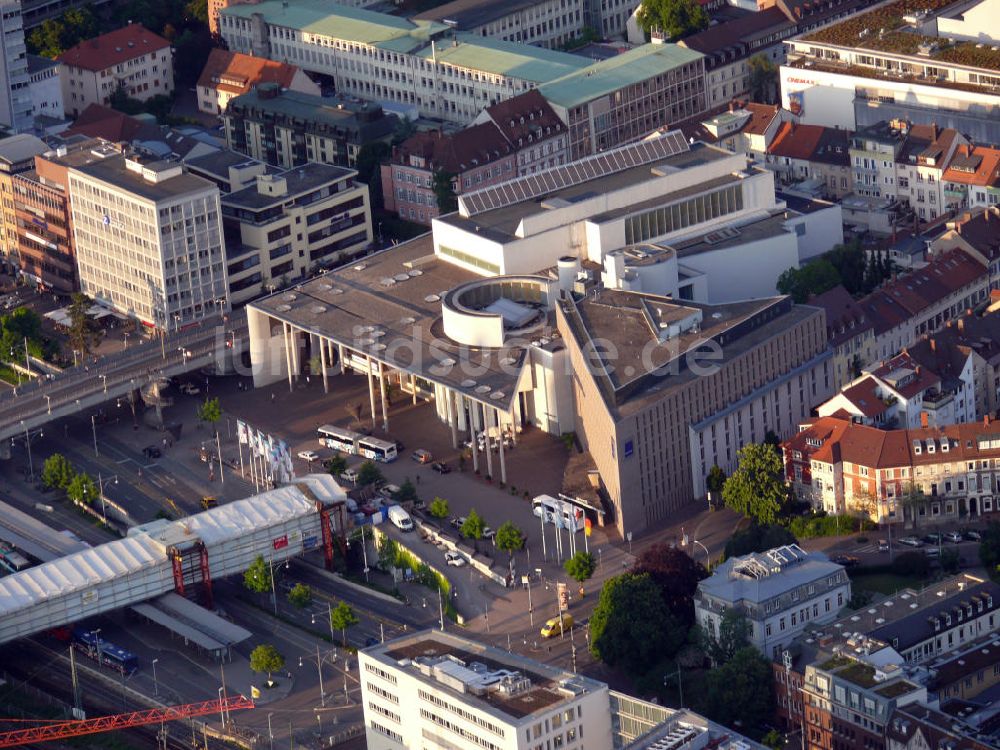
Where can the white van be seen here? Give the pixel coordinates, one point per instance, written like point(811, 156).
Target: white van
point(400, 518)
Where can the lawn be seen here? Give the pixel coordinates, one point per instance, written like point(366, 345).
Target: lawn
point(885, 583)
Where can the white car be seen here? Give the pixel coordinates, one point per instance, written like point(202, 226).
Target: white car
point(309, 456)
point(190, 389)
point(953, 536)
point(453, 558)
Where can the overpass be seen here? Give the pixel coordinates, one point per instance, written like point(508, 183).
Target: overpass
point(33, 405)
point(182, 556)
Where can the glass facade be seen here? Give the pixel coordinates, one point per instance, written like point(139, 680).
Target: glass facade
point(666, 219)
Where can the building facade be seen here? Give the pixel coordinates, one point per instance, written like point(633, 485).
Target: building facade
point(230, 74)
point(17, 155)
point(46, 89)
point(148, 240)
point(291, 223)
point(550, 23)
point(132, 59)
point(532, 128)
point(15, 81)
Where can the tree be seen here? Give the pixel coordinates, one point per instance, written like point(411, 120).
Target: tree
point(741, 690)
point(369, 473)
point(674, 18)
point(815, 277)
point(405, 127)
point(82, 489)
point(369, 165)
point(192, 49)
point(756, 489)
point(342, 617)
point(56, 35)
point(758, 538)
point(716, 479)
point(407, 492)
point(989, 550)
point(444, 190)
point(257, 577)
point(82, 334)
point(580, 567)
point(676, 575)
point(631, 626)
point(439, 508)
point(734, 634)
point(210, 411)
point(763, 79)
point(300, 596)
point(774, 739)
point(266, 658)
point(197, 10)
point(57, 472)
point(509, 538)
point(336, 465)
point(473, 528)
point(388, 553)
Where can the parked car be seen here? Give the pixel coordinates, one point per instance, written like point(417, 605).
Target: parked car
point(400, 518)
point(441, 467)
point(151, 451)
point(932, 552)
point(453, 558)
point(190, 389)
point(911, 541)
point(973, 536)
point(933, 538)
point(458, 521)
point(309, 456)
point(351, 475)
point(488, 533)
point(848, 561)
point(883, 545)
point(953, 536)
point(422, 456)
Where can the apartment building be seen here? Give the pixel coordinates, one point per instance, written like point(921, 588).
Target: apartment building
point(45, 88)
point(148, 239)
point(781, 592)
point(874, 152)
point(288, 128)
point(476, 157)
point(445, 74)
point(628, 96)
point(131, 58)
point(812, 154)
point(974, 232)
point(17, 155)
point(972, 178)
point(850, 334)
point(230, 74)
point(443, 689)
point(916, 727)
point(15, 81)
point(920, 168)
point(550, 23)
point(532, 128)
point(965, 673)
point(287, 224)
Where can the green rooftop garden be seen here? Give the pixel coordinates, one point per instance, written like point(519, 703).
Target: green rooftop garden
point(834, 662)
point(966, 53)
point(859, 673)
point(896, 689)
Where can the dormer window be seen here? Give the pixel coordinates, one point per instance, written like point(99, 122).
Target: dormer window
point(944, 445)
point(930, 446)
point(916, 448)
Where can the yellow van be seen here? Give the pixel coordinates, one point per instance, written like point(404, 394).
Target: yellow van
point(552, 627)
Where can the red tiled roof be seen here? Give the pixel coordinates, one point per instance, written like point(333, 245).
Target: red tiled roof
point(761, 117)
point(526, 118)
point(237, 73)
point(738, 32)
point(974, 166)
point(865, 397)
point(469, 148)
point(796, 141)
point(98, 121)
point(113, 48)
point(844, 317)
point(922, 379)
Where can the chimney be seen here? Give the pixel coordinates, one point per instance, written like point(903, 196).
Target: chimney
point(986, 420)
point(923, 420)
point(933, 343)
point(968, 149)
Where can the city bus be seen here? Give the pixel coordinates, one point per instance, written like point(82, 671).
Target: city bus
point(11, 560)
point(377, 450)
point(339, 438)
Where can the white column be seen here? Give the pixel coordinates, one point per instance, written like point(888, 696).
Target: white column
point(452, 418)
point(413, 387)
point(472, 432)
point(340, 357)
point(503, 463)
point(288, 354)
point(322, 363)
point(486, 440)
point(293, 339)
point(382, 387)
point(371, 389)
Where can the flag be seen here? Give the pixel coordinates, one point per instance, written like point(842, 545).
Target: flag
point(587, 526)
point(241, 431)
point(254, 692)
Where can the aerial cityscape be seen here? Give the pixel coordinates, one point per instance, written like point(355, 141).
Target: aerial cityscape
point(520, 375)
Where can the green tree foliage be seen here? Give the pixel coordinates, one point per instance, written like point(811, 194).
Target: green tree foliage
point(336, 465)
point(192, 48)
point(734, 634)
point(197, 10)
point(257, 578)
point(989, 550)
point(587, 36)
point(300, 595)
point(82, 489)
point(774, 739)
point(56, 35)
point(740, 690)
point(57, 472)
point(716, 479)
point(369, 473)
point(858, 270)
point(509, 538)
point(407, 492)
point(819, 524)
point(473, 527)
point(342, 617)
point(82, 331)
point(438, 508)
point(444, 191)
point(675, 18)
point(266, 658)
point(405, 128)
point(210, 411)
point(369, 161)
point(756, 489)
point(758, 538)
point(676, 575)
point(159, 106)
point(763, 79)
point(631, 626)
point(815, 277)
point(388, 552)
point(580, 567)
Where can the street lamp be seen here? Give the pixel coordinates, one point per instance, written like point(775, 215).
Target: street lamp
point(93, 427)
point(270, 734)
point(329, 619)
point(97, 636)
point(156, 687)
point(27, 442)
point(104, 378)
point(222, 716)
point(126, 340)
point(48, 401)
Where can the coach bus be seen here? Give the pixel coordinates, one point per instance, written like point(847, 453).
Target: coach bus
point(339, 438)
point(377, 450)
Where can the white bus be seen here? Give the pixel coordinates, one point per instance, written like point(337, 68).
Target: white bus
point(339, 438)
point(573, 517)
point(377, 450)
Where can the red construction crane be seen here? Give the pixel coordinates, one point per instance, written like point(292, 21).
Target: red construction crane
point(64, 729)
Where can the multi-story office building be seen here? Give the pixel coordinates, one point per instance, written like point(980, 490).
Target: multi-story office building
point(148, 239)
point(898, 61)
point(550, 23)
point(781, 592)
point(17, 155)
point(46, 90)
point(289, 128)
point(214, 6)
point(15, 94)
point(131, 58)
point(621, 99)
point(445, 74)
point(289, 223)
point(230, 74)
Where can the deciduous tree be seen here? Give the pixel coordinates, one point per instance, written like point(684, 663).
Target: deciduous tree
point(257, 577)
point(756, 489)
point(676, 575)
point(989, 550)
point(82, 332)
point(509, 538)
point(300, 595)
point(336, 465)
point(57, 472)
point(266, 658)
point(580, 567)
point(369, 473)
point(674, 18)
point(444, 191)
point(342, 617)
point(438, 508)
point(734, 634)
point(741, 690)
point(473, 528)
point(210, 411)
point(82, 489)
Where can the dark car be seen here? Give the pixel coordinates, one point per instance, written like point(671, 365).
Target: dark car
point(441, 467)
point(371, 641)
point(848, 561)
point(933, 538)
point(399, 445)
point(151, 451)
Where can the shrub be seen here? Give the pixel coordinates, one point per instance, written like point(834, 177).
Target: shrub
point(911, 564)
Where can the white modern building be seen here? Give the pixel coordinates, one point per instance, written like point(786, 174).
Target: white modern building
point(15, 96)
point(46, 90)
point(148, 240)
point(781, 592)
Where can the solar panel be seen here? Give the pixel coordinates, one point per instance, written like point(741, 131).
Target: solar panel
point(589, 168)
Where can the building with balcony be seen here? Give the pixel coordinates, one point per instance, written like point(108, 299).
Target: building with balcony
point(15, 79)
point(781, 592)
point(288, 128)
point(814, 155)
point(132, 59)
point(286, 224)
point(230, 74)
point(17, 155)
point(972, 178)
